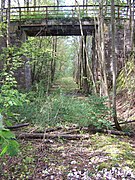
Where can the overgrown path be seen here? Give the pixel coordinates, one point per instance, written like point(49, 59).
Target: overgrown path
point(66, 85)
point(93, 156)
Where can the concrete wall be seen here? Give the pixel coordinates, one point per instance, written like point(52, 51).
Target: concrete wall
point(123, 43)
point(23, 74)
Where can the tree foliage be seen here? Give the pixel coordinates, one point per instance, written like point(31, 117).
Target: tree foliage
point(9, 97)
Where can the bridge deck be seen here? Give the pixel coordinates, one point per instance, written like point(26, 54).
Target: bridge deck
point(62, 20)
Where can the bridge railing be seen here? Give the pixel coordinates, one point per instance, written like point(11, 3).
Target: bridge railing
point(55, 12)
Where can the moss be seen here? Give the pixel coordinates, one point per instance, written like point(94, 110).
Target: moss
point(115, 151)
point(102, 166)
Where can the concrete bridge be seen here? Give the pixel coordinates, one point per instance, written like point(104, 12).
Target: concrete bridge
point(61, 20)
point(59, 27)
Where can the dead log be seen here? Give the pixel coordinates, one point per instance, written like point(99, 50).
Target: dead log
point(17, 126)
point(51, 136)
point(72, 131)
point(120, 133)
point(47, 130)
point(125, 122)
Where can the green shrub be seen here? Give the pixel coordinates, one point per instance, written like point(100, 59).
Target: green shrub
point(8, 143)
point(59, 108)
point(9, 98)
point(98, 112)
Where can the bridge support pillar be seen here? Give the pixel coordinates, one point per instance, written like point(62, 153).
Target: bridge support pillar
point(17, 37)
point(23, 76)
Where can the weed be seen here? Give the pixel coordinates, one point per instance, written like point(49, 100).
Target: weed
point(59, 109)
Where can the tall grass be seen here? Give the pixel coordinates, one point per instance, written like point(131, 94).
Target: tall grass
point(60, 109)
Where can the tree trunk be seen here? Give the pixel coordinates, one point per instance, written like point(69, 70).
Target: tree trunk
point(53, 61)
point(132, 23)
point(34, 2)
point(102, 50)
point(8, 23)
point(2, 9)
point(114, 66)
point(81, 62)
point(85, 49)
point(84, 64)
point(94, 60)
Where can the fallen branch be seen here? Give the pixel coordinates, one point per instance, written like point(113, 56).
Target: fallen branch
point(72, 131)
point(126, 122)
point(121, 133)
point(17, 126)
point(49, 130)
point(52, 136)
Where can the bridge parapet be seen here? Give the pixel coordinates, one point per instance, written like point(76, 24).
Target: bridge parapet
point(61, 12)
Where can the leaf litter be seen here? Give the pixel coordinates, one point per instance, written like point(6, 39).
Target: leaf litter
point(100, 157)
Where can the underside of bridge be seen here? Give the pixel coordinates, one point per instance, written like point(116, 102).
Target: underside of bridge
point(66, 27)
point(63, 30)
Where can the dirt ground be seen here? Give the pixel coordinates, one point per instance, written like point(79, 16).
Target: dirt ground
point(98, 157)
